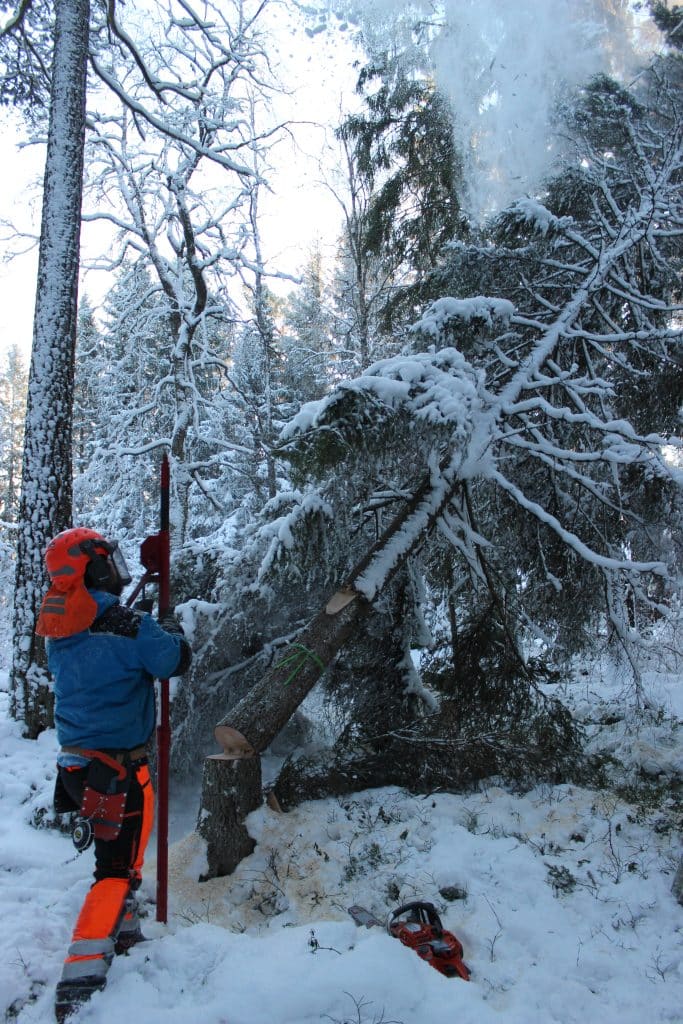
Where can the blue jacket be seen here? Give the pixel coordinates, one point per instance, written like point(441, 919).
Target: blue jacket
point(104, 693)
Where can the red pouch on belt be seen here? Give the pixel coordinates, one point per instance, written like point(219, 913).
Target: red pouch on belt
point(104, 796)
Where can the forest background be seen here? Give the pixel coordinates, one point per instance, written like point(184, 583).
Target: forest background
point(497, 336)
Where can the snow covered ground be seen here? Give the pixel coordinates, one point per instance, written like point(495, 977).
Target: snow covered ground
point(560, 896)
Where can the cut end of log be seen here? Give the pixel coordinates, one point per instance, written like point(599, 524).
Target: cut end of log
point(235, 745)
point(340, 599)
point(272, 802)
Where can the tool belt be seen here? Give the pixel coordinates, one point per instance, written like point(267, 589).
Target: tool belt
point(122, 756)
point(107, 781)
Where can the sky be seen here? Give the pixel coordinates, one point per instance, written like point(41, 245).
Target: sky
point(318, 71)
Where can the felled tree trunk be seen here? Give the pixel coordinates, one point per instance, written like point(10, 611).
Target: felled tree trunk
point(430, 756)
point(254, 722)
point(257, 719)
point(229, 785)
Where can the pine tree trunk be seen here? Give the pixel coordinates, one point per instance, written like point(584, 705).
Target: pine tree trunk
point(45, 504)
point(677, 887)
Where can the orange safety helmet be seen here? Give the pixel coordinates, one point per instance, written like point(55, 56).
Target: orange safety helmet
point(68, 607)
point(68, 554)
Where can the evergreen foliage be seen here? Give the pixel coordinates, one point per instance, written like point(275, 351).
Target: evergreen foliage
point(522, 377)
point(669, 19)
point(554, 321)
point(118, 405)
point(308, 343)
point(403, 146)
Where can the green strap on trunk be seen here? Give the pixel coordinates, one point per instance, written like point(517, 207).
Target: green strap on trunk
point(297, 658)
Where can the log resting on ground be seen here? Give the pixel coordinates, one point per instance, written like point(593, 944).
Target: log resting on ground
point(421, 767)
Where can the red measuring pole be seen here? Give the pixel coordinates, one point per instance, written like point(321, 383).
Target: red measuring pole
point(163, 727)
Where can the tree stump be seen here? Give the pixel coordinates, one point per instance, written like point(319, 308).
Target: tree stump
point(677, 887)
point(231, 789)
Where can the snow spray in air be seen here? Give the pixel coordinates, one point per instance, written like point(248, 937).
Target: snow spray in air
point(503, 67)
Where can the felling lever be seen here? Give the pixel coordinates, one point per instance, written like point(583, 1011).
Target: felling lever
point(155, 558)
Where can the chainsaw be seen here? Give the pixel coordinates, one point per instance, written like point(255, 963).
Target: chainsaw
point(418, 926)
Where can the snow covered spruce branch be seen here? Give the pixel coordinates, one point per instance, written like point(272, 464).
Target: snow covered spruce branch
point(538, 401)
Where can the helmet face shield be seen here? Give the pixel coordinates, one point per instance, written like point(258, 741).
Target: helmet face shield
point(114, 556)
point(120, 565)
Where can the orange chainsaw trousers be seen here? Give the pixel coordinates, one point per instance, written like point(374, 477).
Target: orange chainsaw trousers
point(118, 872)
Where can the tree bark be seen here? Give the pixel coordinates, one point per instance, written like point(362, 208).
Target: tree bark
point(231, 789)
point(257, 719)
point(677, 887)
point(45, 506)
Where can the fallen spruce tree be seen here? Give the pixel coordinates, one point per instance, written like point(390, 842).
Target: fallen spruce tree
point(543, 472)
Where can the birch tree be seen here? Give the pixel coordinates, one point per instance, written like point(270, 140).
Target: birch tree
point(172, 173)
point(362, 282)
point(13, 386)
point(212, 43)
point(254, 404)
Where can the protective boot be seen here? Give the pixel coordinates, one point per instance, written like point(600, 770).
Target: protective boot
point(130, 932)
point(72, 993)
point(92, 946)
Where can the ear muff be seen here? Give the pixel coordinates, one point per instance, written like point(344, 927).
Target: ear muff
point(98, 572)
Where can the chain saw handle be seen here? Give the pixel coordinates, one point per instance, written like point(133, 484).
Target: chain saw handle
point(418, 912)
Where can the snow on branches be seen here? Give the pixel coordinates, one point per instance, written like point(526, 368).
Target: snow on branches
point(439, 388)
point(480, 307)
point(545, 412)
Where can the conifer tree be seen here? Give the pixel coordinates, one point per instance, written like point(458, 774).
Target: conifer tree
point(311, 359)
point(86, 391)
point(402, 146)
point(13, 390)
point(362, 281)
point(118, 367)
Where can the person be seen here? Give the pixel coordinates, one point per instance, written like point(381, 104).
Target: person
point(103, 658)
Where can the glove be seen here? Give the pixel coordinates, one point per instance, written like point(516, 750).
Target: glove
point(169, 623)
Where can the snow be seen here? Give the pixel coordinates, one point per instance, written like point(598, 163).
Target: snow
point(504, 66)
point(438, 387)
point(560, 896)
point(477, 307)
point(533, 212)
